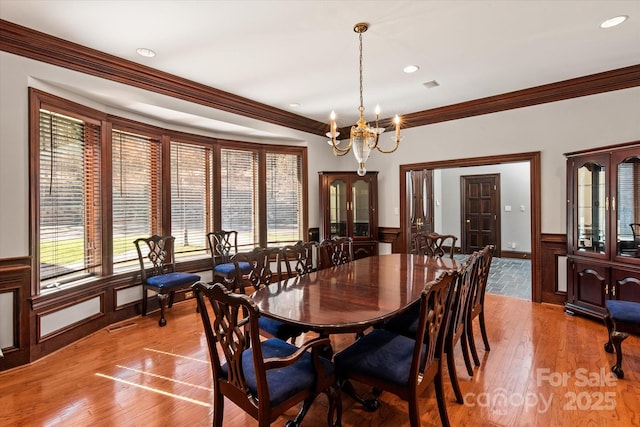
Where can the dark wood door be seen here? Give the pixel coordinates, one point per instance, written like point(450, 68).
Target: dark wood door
point(420, 197)
point(480, 212)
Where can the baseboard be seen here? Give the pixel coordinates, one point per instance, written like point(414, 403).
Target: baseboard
point(514, 254)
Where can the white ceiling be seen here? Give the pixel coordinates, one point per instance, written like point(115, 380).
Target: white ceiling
point(280, 52)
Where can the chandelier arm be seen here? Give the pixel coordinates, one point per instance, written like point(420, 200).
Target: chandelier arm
point(395, 147)
point(339, 151)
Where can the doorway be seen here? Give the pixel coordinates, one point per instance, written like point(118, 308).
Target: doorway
point(480, 202)
point(533, 159)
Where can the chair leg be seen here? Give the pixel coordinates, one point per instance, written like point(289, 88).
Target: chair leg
point(617, 338)
point(483, 330)
point(414, 411)
point(608, 347)
point(451, 364)
point(145, 292)
point(472, 342)
point(161, 299)
point(465, 353)
point(442, 405)
point(218, 409)
point(172, 296)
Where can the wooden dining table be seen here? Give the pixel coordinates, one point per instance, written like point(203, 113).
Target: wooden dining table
point(352, 296)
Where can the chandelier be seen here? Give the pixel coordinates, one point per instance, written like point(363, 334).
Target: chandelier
point(363, 138)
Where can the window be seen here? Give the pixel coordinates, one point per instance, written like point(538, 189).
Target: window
point(100, 182)
point(239, 195)
point(191, 197)
point(137, 204)
point(284, 198)
point(69, 199)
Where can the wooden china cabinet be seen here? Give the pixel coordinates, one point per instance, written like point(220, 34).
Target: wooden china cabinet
point(349, 208)
point(603, 200)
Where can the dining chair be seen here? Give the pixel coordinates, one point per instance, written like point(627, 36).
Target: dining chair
point(434, 244)
point(299, 258)
point(456, 331)
point(401, 365)
point(335, 251)
point(223, 244)
point(476, 301)
point(635, 229)
point(258, 275)
point(622, 317)
point(158, 271)
point(264, 378)
point(407, 324)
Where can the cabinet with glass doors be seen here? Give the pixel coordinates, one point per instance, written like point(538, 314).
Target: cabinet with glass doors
point(349, 208)
point(603, 218)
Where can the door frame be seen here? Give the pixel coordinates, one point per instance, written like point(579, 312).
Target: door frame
point(495, 205)
point(535, 195)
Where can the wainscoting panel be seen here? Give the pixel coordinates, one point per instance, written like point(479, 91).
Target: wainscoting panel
point(553, 251)
point(15, 276)
point(73, 315)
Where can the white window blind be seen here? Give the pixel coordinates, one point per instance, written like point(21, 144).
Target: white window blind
point(239, 195)
point(69, 211)
point(191, 197)
point(137, 204)
point(284, 198)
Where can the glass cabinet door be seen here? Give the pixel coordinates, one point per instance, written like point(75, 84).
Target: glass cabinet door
point(360, 207)
point(626, 204)
point(592, 207)
point(338, 208)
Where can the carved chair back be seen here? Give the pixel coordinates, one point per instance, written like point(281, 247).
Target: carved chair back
point(240, 361)
point(335, 251)
point(253, 269)
point(434, 244)
point(155, 255)
point(223, 245)
point(299, 258)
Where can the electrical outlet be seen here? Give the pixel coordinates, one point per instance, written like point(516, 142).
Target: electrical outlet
point(188, 294)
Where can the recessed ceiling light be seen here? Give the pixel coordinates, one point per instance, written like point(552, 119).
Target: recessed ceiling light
point(147, 53)
point(410, 69)
point(294, 105)
point(431, 84)
point(612, 22)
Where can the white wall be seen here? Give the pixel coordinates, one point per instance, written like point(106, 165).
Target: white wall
point(553, 129)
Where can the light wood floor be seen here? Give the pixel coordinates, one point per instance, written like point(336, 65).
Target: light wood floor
point(545, 368)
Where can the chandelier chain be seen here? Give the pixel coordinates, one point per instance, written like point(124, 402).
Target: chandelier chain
point(361, 85)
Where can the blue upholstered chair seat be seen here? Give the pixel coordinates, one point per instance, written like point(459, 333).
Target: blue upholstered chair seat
point(283, 382)
point(170, 280)
point(624, 311)
point(382, 354)
point(229, 269)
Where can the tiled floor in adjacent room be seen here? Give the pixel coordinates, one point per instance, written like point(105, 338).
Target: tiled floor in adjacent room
point(509, 277)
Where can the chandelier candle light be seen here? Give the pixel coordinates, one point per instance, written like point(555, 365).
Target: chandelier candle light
point(363, 138)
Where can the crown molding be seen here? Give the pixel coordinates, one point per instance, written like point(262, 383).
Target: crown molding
point(33, 44)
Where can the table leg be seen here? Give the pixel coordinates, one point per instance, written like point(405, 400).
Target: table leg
point(371, 405)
